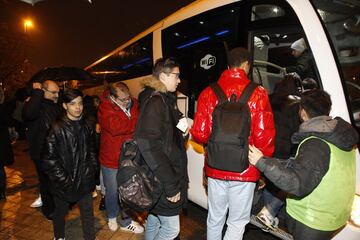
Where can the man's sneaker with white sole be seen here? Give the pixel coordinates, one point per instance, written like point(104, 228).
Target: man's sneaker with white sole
point(134, 227)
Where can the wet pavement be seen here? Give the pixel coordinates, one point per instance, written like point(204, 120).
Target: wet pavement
point(20, 221)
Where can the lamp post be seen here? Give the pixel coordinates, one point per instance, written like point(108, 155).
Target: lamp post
point(27, 24)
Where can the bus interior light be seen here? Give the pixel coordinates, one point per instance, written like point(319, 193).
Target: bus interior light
point(193, 42)
point(222, 32)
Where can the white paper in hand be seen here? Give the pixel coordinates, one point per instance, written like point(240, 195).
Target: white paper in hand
point(182, 124)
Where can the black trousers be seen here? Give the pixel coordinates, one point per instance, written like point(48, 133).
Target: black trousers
point(300, 231)
point(47, 199)
point(86, 214)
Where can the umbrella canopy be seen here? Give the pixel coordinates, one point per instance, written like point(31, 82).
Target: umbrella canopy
point(32, 2)
point(61, 74)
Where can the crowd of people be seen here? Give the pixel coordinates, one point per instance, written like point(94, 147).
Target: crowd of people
point(75, 143)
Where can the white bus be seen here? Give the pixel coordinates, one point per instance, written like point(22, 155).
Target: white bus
point(200, 34)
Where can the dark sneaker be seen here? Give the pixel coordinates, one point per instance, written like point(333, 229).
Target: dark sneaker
point(102, 206)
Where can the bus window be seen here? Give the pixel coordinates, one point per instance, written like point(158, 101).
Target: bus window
point(200, 44)
point(270, 41)
point(272, 54)
point(133, 61)
point(342, 22)
point(266, 11)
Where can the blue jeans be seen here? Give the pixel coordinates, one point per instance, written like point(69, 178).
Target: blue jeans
point(234, 198)
point(272, 203)
point(162, 227)
point(112, 197)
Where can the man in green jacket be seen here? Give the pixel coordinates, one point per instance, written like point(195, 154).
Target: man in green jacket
point(320, 180)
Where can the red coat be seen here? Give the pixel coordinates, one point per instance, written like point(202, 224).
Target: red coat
point(262, 134)
point(116, 127)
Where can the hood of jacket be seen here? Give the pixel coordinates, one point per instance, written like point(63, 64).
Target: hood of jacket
point(334, 130)
point(151, 85)
point(152, 82)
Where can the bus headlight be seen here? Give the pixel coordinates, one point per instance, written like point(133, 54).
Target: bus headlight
point(355, 212)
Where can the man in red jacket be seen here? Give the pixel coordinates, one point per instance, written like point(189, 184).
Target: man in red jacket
point(233, 191)
point(118, 114)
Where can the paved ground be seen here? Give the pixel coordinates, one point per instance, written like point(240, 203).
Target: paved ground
point(20, 221)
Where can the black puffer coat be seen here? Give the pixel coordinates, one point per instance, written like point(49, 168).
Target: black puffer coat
point(162, 146)
point(70, 159)
point(38, 114)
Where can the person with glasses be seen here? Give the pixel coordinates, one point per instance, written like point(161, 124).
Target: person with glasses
point(162, 145)
point(39, 111)
point(117, 115)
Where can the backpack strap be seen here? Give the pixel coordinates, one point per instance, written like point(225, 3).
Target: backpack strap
point(218, 92)
point(249, 89)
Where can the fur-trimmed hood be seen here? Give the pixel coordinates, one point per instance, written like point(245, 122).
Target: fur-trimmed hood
point(154, 83)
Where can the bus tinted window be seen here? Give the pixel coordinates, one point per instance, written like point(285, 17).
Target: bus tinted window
point(133, 61)
point(342, 21)
point(200, 44)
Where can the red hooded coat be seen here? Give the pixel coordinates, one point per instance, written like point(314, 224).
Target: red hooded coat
point(116, 127)
point(262, 135)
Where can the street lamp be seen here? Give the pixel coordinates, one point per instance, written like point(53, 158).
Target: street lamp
point(27, 24)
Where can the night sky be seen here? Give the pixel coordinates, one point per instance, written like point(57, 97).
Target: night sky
point(76, 33)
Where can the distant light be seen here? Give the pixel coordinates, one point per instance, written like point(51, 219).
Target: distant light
point(222, 32)
point(28, 24)
point(275, 10)
point(285, 36)
point(177, 34)
point(193, 42)
point(232, 10)
point(201, 22)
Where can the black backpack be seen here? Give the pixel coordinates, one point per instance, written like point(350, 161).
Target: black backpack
point(138, 187)
point(228, 144)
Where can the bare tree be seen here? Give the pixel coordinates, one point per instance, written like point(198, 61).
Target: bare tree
point(15, 69)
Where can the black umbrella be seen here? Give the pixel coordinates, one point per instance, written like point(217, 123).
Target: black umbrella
point(61, 74)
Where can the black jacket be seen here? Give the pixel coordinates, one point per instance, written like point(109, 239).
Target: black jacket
point(304, 66)
point(162, 146)
point(69, 158)
point(38, 114)
point(300, 176)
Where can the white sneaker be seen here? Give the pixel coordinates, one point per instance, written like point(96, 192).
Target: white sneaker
point(59, 238)
point(37, 203)
point(113, 225)
point(94, 194)
point(266, 218)
point(133, 227)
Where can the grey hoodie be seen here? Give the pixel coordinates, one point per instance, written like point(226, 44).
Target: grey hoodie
point(302, 175)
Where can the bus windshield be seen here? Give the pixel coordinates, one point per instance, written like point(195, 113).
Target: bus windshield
point(341, 19)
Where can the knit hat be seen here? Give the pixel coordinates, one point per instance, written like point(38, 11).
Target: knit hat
point(299, 45)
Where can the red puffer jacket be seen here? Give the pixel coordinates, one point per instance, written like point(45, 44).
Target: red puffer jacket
point(234, 81)
point(116, 127)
